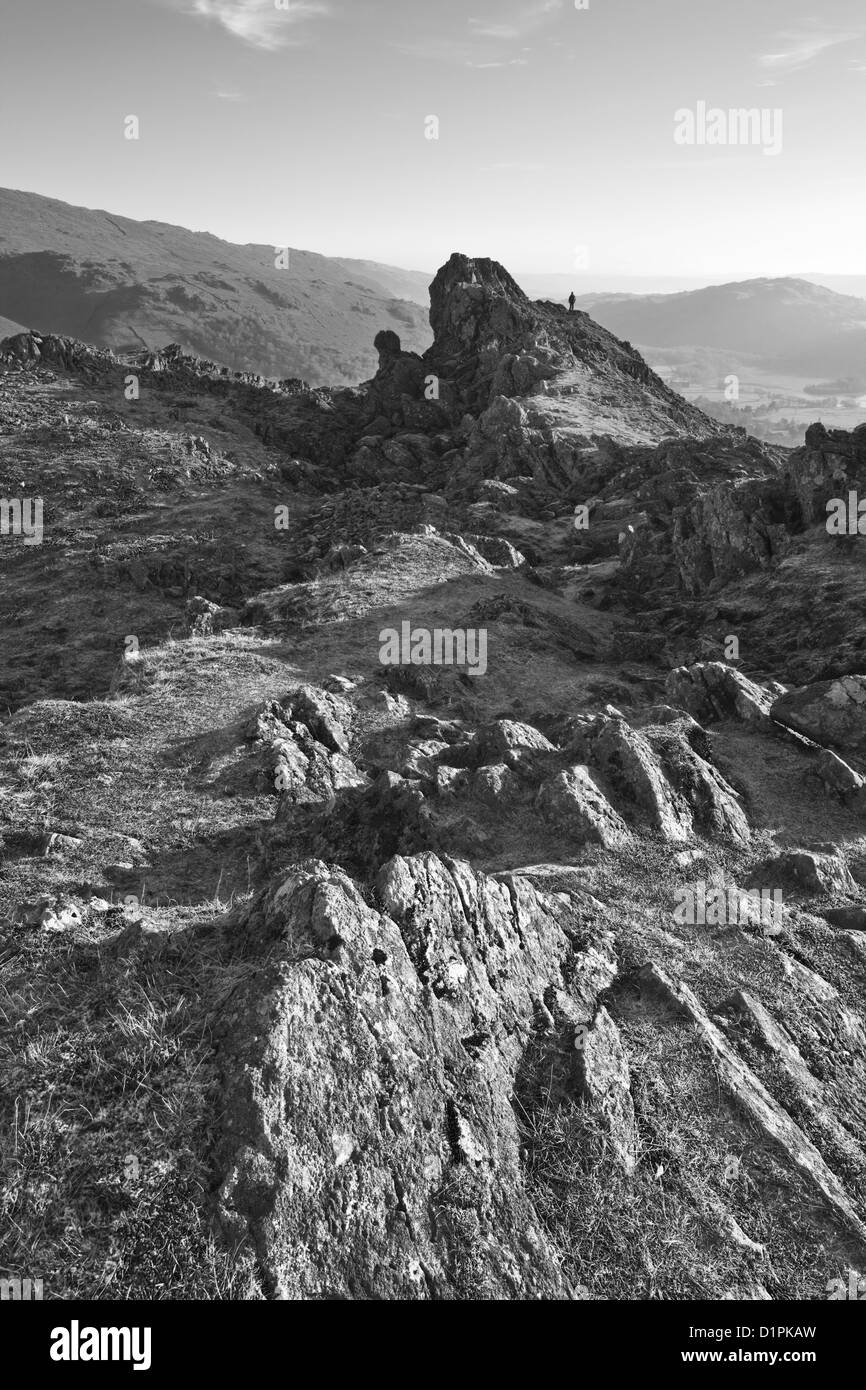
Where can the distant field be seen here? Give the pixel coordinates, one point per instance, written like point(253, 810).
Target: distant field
point(771, 404)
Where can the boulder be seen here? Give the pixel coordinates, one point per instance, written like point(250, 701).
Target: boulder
point(205, 618)
point(838, 777)
point(852, 919)
point(305, 769)
point(711, 691)
point(503, 738)
point(574, 803)
point(816, 872)
point(830, 712)
point(327, 716)
point(496, 784)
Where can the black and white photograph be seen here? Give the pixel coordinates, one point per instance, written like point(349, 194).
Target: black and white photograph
point(432, 671)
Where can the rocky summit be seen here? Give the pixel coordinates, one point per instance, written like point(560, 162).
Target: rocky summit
point(433, 826)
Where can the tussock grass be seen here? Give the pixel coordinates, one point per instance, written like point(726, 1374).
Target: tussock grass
point(109, 1117)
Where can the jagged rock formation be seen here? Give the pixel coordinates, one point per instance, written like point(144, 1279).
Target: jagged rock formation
point(490, 341)
point(443, 970)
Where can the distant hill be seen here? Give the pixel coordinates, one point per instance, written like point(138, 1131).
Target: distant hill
point(124, 284)
point(555, 285)
point(8, 327)
point(842, 284)
point(793, 325)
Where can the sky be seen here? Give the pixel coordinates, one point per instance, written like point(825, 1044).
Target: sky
point(569, 134)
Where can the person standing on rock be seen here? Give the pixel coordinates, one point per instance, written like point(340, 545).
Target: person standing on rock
point(571, 302)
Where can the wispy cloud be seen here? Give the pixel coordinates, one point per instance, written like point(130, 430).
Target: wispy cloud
point(520, 21)
point(501, 63)
point(230, 96)
point(259, 23)
point(800, 47)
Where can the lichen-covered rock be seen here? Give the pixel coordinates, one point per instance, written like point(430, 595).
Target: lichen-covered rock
point(302, 768)
point(574, 803)
point(496, 784)
point(630, 766)
point(370, 1146)
point(305, 771)
point(830, 712)
point(713, 802)
point(712, 691)
point(498, 741)
point(657, 775)
point(327, 716)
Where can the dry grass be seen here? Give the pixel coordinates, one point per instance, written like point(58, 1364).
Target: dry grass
point(110, 1113)
point(661, 1232)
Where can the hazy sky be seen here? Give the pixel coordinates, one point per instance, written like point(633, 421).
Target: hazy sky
point(305, 126)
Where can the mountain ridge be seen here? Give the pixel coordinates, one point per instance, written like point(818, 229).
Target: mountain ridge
point(96, 275)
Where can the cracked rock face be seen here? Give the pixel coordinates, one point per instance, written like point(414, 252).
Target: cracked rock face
point(711, 691)
point(371, 1148)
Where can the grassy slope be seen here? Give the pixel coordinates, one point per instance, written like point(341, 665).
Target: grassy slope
point(112, 1099)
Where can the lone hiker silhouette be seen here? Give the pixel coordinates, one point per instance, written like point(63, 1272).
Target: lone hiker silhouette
point(571, 302)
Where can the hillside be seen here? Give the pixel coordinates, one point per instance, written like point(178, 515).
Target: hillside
point(335, 971)
point(126, 285)
point(791, 324)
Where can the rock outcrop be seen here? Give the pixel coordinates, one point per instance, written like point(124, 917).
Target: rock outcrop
point(830, 712)
point(712, 691)
point(371, 1147)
